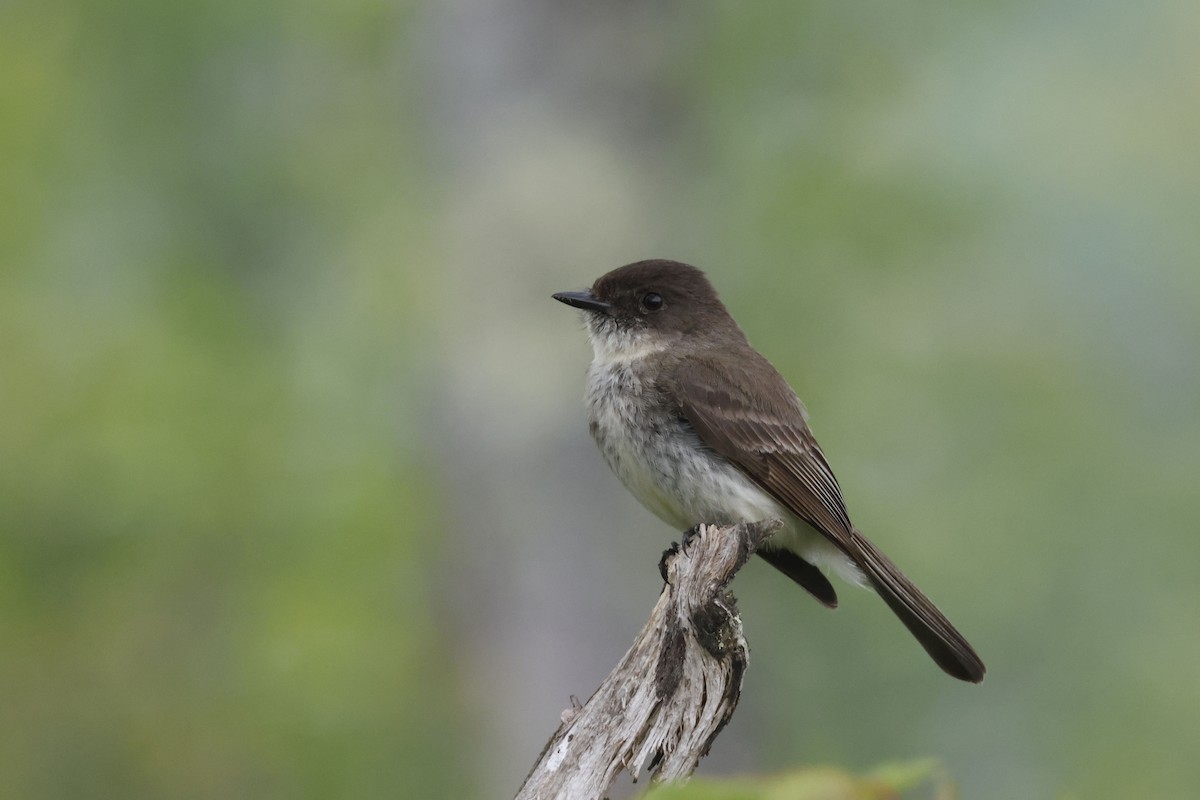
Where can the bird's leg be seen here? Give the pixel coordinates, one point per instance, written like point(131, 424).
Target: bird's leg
point(667, 555)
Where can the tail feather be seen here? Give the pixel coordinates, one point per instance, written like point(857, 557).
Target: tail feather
point(940, 639)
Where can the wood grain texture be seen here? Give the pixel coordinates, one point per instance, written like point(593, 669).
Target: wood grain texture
point(664, 704)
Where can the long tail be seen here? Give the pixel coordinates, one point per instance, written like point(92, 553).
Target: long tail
point(935, 633)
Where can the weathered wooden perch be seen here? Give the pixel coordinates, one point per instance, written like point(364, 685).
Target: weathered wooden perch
point(675, 689)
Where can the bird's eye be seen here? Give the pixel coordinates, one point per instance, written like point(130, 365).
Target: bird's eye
point(652, 301)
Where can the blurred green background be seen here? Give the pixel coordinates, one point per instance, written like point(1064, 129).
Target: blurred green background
point(296, 495)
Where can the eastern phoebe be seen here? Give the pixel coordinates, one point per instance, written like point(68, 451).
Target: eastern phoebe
point(701, 428)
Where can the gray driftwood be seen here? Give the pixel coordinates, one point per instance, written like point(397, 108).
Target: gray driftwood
point(664, 704)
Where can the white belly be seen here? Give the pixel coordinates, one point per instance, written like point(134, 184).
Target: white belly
point(664, 465)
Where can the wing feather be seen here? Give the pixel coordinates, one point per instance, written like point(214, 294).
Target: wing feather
point(767, 437)
point(765, 434)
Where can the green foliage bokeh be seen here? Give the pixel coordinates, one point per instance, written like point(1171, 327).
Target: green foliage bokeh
point(237, 242)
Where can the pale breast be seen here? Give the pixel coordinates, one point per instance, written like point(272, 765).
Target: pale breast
point(662, 462)
point(659, 457)
point(628, 437)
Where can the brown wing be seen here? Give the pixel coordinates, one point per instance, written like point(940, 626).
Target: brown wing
point(808, 576)
point(764, 433)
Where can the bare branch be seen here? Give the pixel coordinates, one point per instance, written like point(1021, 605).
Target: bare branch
point(675, 689)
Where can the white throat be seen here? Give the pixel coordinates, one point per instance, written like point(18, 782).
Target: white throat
point(613, 346)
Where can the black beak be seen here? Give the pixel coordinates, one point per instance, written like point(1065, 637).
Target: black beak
point(585, 300)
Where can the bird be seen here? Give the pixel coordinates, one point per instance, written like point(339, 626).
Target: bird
point(701, 428)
